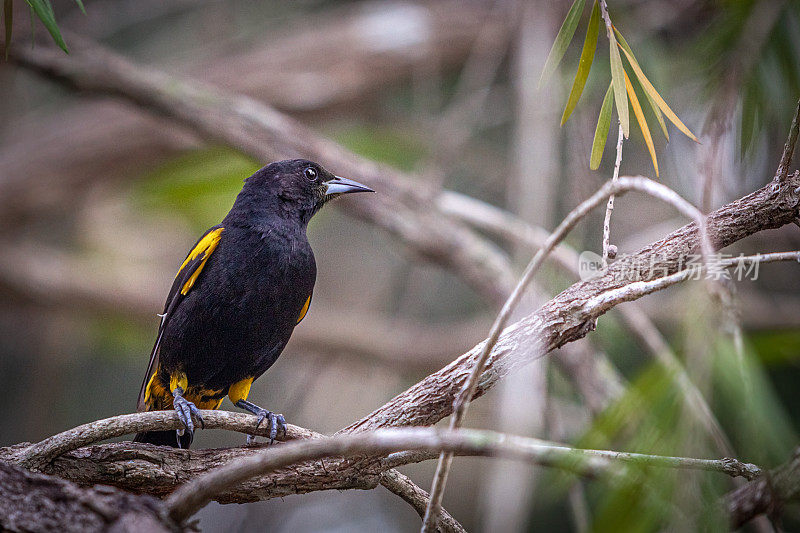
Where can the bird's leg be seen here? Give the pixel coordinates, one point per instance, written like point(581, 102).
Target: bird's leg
point(276, 421)
point(185, 410)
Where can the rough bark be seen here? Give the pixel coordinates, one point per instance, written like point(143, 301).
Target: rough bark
point(767, 494)
point(37, 502)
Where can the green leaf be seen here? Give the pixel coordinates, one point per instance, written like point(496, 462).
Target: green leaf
point(8, 14)
point(562, 41)
point(80, 5)
point(618, 82)
point(585, 63)
point(44, 12)
point(601, 132)
point(653, 105)
point(750, 112)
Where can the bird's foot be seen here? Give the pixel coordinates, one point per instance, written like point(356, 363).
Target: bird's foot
point(276, 421)
point(186, 410)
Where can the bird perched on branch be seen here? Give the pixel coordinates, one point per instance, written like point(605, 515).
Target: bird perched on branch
point(237, 297)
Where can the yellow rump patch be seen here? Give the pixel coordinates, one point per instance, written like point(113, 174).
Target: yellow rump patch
point(240, 390)
point(203, 250)
point(178, 380)
point(304, 310)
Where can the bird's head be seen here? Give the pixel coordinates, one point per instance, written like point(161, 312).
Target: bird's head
point(292, 188)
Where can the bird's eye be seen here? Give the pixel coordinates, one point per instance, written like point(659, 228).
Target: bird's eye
point(311, 173)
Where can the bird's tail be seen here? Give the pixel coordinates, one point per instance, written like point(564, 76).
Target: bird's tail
point(165, 438)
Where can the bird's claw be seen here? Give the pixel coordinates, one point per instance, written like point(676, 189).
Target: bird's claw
point(186, 410)
point(276, 423)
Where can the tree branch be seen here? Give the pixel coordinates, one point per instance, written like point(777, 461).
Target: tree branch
point(191, 497)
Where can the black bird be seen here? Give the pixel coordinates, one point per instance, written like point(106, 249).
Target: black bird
point(237, 297)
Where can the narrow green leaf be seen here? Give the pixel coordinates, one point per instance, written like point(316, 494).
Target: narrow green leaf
point(8, 14)
point(653, 105)
point(562, 41)
point(44, 12)
point(639, 114)
point(585, 63)
point(618, 82)
point(80, 5)
point(749, 120)
point(601, 132)
point(648, 87)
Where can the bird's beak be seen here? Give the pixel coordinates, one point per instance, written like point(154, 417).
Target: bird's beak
point(339, 185)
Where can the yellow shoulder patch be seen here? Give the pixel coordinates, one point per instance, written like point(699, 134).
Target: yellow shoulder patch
point(202, 252)
point(304, 310)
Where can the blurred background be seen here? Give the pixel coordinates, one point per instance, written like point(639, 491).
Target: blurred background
point(100, 201)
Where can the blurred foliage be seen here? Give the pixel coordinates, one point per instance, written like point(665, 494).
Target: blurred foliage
point(385, 145)
point(199, 186)
point(757, 45)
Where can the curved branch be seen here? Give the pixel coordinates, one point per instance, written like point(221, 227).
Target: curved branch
point(191, 497)
point(40, 454)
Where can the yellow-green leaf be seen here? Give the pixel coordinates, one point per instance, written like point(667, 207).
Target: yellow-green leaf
point(653, 106)
point(562, 41)
point(601, 132)
point(8, 14)
point(639, 114)
point(585, 63)
point(648, 87)
point(618, 82)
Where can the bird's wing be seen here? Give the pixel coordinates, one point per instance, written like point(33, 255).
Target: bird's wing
point(185, 279)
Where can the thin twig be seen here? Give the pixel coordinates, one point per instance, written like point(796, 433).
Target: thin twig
point(611, 187)
point(637, 289)
point(610, 204)
point(788, 148)
point(191, 497)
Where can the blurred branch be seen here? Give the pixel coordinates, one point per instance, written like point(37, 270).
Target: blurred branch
point(402, 208)
point(56, 278)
